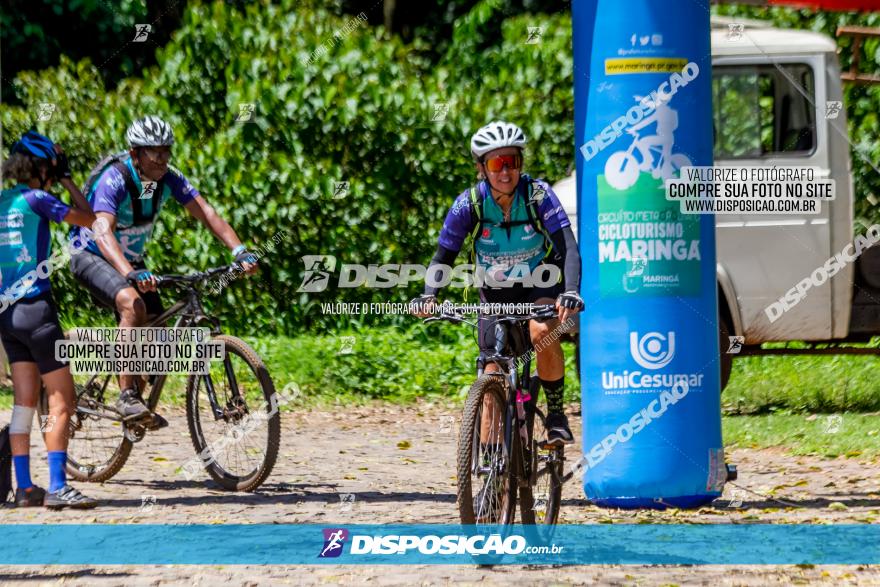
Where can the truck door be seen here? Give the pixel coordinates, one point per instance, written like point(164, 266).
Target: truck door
point(765, 114)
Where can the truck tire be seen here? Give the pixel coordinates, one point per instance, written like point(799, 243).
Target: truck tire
point(725, 358)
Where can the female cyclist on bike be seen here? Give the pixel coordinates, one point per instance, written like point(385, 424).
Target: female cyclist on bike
point(518, 228)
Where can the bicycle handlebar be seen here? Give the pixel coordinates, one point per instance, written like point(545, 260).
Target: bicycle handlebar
point(532, 312)
point(197, 277)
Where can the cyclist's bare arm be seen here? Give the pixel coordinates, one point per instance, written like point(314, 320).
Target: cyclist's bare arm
point(84, 218)
point(202, 211)
point(109, 246)
point(76, 196)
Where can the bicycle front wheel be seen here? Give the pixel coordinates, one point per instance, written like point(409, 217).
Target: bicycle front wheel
point(486, 476)
point(541, 500)
point(238, 442)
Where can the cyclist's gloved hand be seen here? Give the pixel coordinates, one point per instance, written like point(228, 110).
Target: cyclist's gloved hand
point(568, 304)
point(246, 257)
point(423, 306)
point(138, 275)
point(62, 166)
point(570, 300)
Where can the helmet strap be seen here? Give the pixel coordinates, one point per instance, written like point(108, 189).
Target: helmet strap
point(136, 161)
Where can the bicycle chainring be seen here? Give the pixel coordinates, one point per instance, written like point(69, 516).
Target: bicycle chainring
point(134, 432)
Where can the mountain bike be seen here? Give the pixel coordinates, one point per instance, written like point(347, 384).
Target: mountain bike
point(219, 405)
point(502, 455)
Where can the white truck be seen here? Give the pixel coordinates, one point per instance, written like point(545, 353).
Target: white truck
point(777, 100)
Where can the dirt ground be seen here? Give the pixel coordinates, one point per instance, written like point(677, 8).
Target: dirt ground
point(398, 463)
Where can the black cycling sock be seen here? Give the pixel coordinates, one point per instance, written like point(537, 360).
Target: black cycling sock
point(554, 392)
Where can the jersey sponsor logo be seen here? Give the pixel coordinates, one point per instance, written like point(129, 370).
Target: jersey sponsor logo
point(552, 212)
point(114, 181)
point(10, 238)
point(12, 220)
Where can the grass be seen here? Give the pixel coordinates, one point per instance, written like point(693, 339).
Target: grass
point(435, 362)
point(827, 435)
point(812, 384)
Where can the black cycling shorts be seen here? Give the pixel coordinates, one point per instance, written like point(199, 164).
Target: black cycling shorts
point(29, 329)
point(510, 295)
point(105, 282)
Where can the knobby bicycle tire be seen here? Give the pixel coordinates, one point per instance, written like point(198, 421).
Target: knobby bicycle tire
point(493, 385)
point(225, 479)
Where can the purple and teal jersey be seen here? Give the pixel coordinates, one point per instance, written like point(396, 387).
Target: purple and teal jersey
point(25, 240)
point(109, 194)
point(500, 246)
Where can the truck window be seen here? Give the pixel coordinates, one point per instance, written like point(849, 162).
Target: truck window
point(763, 111)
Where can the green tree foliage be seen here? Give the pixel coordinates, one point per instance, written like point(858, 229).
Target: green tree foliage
point(37, 32)
point(335, 101)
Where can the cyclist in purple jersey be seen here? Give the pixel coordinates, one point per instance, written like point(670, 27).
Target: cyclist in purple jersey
point(128, 194)
point(512, 236)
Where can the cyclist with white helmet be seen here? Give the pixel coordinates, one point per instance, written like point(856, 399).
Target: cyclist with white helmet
point(128, 190)
point(517, 225)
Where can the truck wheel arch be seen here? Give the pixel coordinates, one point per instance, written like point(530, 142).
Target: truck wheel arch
point(729, 323)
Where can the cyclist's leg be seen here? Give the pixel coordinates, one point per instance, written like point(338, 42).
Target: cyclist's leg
point(15, 325)
point(551, 366)
point(490, 431)
point(40, 316)
point(551, 359)
point(113, 291)
point(26, 386)
point(34, 325)
point(58, 382)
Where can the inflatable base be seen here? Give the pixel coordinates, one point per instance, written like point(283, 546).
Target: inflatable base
point(684, 502)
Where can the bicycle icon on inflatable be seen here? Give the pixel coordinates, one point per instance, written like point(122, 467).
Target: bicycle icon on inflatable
point(650, 153)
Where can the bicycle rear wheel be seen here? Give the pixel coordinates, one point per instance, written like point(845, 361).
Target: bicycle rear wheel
point(98, 448)
point(239, 447)
point(485, 468)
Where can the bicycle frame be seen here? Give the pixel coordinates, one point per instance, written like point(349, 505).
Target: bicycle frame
point(189, 312)
point(515, 335)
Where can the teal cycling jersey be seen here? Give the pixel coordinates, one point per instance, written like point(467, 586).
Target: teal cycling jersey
point(110, 194)
point(25, 239)
point(505, 248)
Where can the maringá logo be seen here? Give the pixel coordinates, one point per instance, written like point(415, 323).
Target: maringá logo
point(648, 350)
point(334, 538)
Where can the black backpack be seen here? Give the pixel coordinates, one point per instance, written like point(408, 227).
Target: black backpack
point(117, 160)
point(5, 465)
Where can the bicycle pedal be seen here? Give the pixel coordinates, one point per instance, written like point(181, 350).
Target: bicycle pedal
point(544, 445)
point(156, 422)
point(138, 419)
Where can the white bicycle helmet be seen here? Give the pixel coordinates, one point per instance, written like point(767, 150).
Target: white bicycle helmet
point(497, 135)
point(150, 131)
